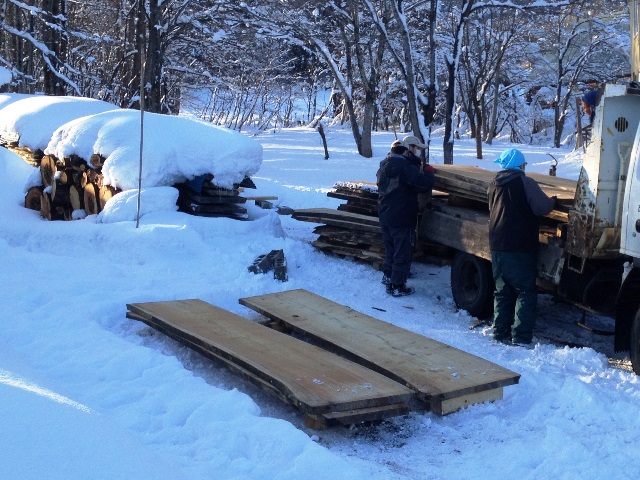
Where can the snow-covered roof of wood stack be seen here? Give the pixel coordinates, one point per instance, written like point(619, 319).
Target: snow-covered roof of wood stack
point(175, 148)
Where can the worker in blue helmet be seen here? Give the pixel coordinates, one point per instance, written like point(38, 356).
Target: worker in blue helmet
point(516, 202)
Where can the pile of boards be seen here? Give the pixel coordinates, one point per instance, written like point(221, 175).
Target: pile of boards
point(353, 230)
point(204, 198)
point(357, 369)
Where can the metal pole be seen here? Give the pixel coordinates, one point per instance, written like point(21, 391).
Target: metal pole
point(142, 70)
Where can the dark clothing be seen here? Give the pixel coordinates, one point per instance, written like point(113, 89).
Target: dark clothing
point(398, 247)
point(515, 296)
point(515, 204)
point(590, 99)
point(413, 158)
point(399, 182)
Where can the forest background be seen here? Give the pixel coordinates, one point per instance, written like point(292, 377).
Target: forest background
point(483, 68)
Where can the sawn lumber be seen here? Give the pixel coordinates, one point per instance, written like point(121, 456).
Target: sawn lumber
point(314, 380)
point(444, 377)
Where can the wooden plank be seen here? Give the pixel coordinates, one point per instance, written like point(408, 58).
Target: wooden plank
point(260, 197)
point(354, 198)
point(355, 208)
point(348, 236)
point(307, 376)
point(355, 416)
point(436, 371)
point(191, 196)
point(456, 232)
point(359, 253)
point(337, 218)
point(445, 407)
point(330, 214)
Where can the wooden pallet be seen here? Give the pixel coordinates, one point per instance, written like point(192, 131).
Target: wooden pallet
point(327, 388)
point(445, 379)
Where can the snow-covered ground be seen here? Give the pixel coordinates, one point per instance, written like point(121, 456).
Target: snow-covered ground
point(88, 393)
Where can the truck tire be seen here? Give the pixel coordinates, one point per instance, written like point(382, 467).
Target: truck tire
point(472, 284)
point(634, 343)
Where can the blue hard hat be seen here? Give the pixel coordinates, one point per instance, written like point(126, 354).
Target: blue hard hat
point(511, 158)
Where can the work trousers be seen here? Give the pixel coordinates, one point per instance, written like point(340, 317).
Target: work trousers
point(398, 249)
point(515, 296)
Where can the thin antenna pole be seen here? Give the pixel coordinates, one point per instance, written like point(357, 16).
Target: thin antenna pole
point(142, 70)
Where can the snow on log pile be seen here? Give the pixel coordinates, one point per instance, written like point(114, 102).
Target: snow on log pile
point(88, 152)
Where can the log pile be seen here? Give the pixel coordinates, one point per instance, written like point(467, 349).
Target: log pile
point(68, 185)
point(10, 141)
point(74, 185)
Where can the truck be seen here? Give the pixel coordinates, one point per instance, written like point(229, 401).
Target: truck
point(589, 251)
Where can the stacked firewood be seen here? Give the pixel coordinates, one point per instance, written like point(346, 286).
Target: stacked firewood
point(69, 185)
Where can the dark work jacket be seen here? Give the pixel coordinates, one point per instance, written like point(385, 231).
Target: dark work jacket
point(515, 204)
point(399, 182)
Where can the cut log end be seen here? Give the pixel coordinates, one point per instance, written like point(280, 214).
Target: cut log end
point(91, 199)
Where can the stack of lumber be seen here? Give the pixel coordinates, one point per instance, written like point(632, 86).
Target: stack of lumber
point(361, 197)
point(471, 183)
point(353, 230)
point(346, 234)
point(444, 378)
point(204, 198)
point(328, 389)
point(69, 184)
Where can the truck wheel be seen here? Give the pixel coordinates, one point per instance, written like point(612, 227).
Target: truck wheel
point(634, 344)
point(472, 284)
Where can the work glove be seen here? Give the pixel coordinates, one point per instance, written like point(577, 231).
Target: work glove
point(428, 169)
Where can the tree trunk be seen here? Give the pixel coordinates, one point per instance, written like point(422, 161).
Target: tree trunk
point(447, 144)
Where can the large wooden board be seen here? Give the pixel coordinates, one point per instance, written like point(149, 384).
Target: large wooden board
point(444, 377)
point(314, 380)
point(476, 180)
point(337, 218)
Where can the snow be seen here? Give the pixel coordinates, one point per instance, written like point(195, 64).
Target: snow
point(35, 118)
point(88, 393)
point(5, 76)
point(176, 148)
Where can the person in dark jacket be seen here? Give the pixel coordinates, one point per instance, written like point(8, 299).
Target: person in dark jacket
point(399, 182)
point(589, 100)
point(516, 203)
